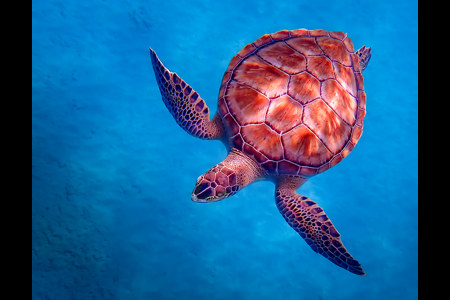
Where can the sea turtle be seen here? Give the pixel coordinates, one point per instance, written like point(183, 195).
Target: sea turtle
point(291, 105)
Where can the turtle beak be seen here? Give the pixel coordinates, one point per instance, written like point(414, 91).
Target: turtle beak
point(195, 199)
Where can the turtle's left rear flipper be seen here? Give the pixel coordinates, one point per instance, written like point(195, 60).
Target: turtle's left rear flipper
point(364, 56)
point(185, 104)
point(313, 225)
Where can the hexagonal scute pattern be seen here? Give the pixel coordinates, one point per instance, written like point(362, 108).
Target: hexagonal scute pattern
point(294, 100)
point(334, 132)
point(320, 67)
point(342, 103)
point(301, 145)
point(246, 104)
point(304, 87)
point(284, 114)
point(261, 76)
point(283, 57)
point(335, 50)
point(263, 139)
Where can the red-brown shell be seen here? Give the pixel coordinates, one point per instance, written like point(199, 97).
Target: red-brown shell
point(294, 100)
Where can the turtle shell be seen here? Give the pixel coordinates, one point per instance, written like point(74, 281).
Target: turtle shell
point(294, 101)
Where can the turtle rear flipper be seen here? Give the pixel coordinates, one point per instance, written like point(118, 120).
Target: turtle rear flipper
point(186, 106)
point(313, 225)
point(364, 57)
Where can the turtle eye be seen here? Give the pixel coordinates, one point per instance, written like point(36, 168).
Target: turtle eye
point(200, 188)
point(205, 193)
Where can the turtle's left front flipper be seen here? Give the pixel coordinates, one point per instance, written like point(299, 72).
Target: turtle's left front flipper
point(313, 225)
point(185, 104)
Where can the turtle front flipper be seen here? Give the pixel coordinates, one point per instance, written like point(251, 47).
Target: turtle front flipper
point(186, 106)
point(313, 225)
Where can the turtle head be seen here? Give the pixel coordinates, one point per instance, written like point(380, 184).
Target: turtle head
point(226, 178)
point(213, 186)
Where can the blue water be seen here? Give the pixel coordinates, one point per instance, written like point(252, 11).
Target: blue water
point(112, 172)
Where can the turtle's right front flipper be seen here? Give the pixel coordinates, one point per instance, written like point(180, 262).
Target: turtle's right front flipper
point(313, 225)
point(185, 104)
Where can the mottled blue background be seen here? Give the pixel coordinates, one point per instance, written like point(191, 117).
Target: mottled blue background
point(112, 172)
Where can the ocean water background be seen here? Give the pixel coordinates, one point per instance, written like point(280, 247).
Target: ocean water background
point(112, 173)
